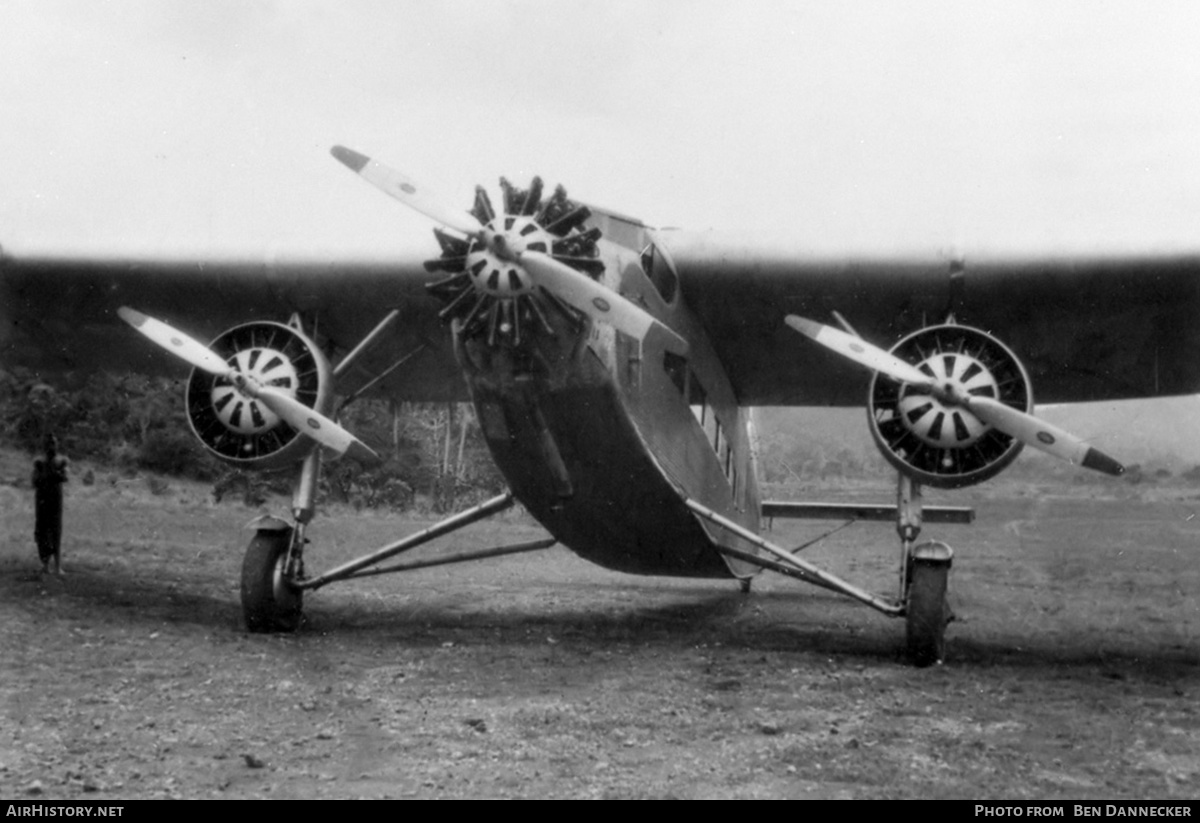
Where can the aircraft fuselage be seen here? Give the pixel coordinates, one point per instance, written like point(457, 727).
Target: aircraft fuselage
point(601, 437)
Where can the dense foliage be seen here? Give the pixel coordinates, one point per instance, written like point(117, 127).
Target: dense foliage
point(433, 454)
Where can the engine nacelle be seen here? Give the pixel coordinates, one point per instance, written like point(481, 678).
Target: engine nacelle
point(943, 445)
point(238, 428)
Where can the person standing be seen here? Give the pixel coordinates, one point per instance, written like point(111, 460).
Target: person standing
point(49, 474)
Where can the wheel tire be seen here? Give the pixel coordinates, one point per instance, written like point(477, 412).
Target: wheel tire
point(268, 602)
point(927, 613)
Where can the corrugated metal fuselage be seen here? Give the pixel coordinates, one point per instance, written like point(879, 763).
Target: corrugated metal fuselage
point(601, 438)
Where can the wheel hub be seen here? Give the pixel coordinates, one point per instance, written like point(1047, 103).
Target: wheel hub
point(285, 593)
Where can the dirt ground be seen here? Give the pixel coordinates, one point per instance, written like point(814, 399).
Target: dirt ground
point(1073, 668)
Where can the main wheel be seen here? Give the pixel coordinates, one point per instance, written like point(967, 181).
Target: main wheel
point(927, 613)
point(269, 602)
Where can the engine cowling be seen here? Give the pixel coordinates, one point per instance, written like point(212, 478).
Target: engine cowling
point(943, 445)
point(239, 429)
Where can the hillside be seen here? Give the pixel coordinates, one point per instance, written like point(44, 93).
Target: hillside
point(1161, 434)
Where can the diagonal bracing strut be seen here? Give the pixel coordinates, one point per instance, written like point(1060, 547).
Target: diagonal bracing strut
point(346, 570)
point(806, 570)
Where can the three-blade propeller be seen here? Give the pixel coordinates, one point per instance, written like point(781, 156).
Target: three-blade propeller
point(571, 286)
point(1016, 423)
point(305, 420)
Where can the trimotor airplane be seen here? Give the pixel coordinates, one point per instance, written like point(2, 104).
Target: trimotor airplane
point(613, 369)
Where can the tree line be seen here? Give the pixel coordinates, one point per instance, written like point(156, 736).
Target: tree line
point(433, 454)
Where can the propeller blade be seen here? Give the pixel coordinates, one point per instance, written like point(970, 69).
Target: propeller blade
point(860, 351)
point(175, 341)
point(311, 423)
point(1038, 433)
point(407, 191)
point(594, 300)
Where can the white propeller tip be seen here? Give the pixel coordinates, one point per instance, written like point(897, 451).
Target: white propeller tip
point(808, 328)
point(350, 158)
point(132, 316)
point(363, 453)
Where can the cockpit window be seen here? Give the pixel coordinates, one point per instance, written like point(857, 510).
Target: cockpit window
point(661, 273)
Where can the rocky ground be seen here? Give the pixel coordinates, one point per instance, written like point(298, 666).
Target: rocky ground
point(1073, 670)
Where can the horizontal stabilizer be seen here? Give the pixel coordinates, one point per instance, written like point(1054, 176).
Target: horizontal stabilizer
point(862, 511)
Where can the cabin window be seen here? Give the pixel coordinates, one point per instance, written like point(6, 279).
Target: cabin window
point(705, 414)
point(676, 369)
point(697, 399)
point(712, 427)
point(724, 452)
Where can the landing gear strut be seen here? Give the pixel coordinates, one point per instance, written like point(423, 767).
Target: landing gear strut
point(273, 578)
point(273, 567)
point(924, 571)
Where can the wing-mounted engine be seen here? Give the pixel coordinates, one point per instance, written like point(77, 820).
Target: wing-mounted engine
point(239, 427)
point(958, 406)
point(933, 439)
point(488, 290)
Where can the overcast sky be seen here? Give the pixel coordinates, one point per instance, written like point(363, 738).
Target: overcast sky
point(204, 127)
point(182, 126)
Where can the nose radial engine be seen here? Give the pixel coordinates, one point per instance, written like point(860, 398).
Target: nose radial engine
point(492, 296)
point(527, 251)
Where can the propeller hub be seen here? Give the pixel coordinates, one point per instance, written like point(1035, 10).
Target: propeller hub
point(524, 272)
point(493, 261)
point(235, 399)
point(941, 416)
point(937, 422)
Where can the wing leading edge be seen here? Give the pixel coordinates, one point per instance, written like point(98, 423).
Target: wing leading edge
point(1086, 328)
point(59, 314)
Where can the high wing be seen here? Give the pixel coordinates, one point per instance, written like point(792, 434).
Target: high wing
point(1085, 328)
point(59, 314)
